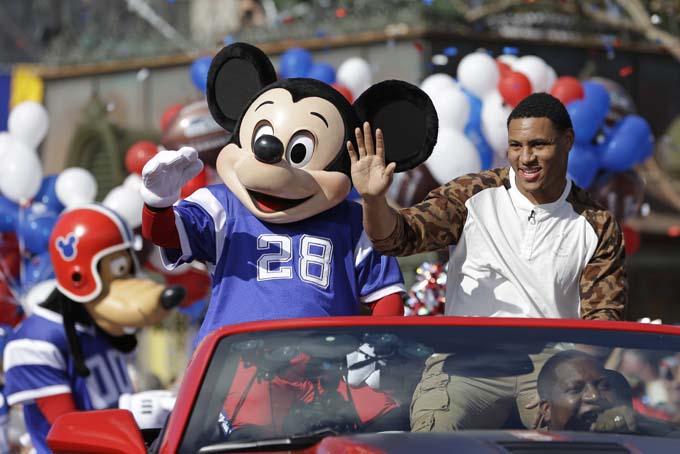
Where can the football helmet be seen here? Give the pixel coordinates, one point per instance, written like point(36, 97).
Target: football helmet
point(80, 238)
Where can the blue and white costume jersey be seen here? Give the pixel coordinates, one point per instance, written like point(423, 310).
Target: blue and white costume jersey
point(38, 364)
point(321, 266)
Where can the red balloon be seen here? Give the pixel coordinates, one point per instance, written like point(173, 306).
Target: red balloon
point(138, 155)
point(344, 91)
point(503, 68)
point(195, 183)
point(169, 114)
point(567, 89)
point(631, 237)
point(514, 87)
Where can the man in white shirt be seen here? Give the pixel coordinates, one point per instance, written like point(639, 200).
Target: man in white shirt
point(528, 241)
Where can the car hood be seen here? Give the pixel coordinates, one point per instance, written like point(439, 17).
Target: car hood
point(519, 441)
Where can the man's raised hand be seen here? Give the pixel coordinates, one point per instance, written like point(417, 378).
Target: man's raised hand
point(370, 175)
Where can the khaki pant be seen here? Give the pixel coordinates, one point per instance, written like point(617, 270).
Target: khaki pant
point(445, 401)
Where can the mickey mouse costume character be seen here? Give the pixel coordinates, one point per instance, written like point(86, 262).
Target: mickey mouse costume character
point(70, 353)
point(279, 238)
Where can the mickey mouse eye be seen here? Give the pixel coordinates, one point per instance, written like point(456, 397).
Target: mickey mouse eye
point(119, 266)
point(263, 128)
point(300, 149)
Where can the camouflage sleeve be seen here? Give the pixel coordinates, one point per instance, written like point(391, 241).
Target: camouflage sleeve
point(436, 222)
point(603, 284)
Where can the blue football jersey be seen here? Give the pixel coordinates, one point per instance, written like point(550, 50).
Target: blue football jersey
point(321, 266)
point(37, 364)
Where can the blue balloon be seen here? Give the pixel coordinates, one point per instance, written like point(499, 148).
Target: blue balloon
point(597, 98)
point(36, 269)
point(631, 142)
point(35, 227)
point(322, 71)
point(9, 212)
point(473, 131)
point(584, 121)
point(47, 194)
point(199, 72)
point(583, 164)
point(588, 114)
point(295, 62)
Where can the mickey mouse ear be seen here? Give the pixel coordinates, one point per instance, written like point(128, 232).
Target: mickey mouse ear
point(407, 118)
point(236, 74)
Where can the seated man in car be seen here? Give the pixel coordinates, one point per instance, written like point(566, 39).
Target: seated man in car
point(577, 393)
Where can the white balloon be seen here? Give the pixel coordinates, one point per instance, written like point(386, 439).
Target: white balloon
point(5, 142)
point(536, 71)
point(128, 203)
point(133, 181)
point(434, 84)
point(75, 186)
point(28, 122)
point(20, 172)
point(508, 59)
point(478, 73)
point(453, 155)
point(494, 118)
point(355, 74)
point(453, 108)
point(37, 295)
point(550, 79)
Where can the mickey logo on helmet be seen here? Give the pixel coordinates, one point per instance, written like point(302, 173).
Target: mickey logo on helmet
point(67, 246)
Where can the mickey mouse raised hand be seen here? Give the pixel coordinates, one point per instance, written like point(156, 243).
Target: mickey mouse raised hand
point(279, 237)
point(165, 174)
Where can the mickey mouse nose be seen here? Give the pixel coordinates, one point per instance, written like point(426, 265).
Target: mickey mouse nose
point(268, 149)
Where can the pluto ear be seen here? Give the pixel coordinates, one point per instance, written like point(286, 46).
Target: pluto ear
point(236, 74)
point(407, 118)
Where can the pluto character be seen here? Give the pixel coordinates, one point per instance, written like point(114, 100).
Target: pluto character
point(70, 354)
point(279, 237)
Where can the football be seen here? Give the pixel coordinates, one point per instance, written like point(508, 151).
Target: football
point(193, 126)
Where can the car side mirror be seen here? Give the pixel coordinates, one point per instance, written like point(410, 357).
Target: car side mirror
point(112, 431)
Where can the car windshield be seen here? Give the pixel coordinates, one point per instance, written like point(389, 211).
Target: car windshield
point(272, 384)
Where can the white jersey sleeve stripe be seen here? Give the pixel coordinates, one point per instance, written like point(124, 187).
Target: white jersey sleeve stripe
point(30, 352)
point(214, 208)
point(394, 288)
point(32, 394)
point(363, 248)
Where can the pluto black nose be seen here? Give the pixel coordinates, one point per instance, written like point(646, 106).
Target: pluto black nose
point(268, 149)
point(172, 296)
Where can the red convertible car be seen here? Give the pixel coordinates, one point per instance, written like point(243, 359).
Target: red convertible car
point(416, 384)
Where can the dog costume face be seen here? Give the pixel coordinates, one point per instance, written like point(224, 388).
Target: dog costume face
point(287, 158)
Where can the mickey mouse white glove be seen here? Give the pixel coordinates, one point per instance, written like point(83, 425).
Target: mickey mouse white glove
point(165, 174)
point(150, 408)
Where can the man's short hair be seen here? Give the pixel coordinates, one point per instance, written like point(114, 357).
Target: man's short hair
point(548, 377)
point(542, 105)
